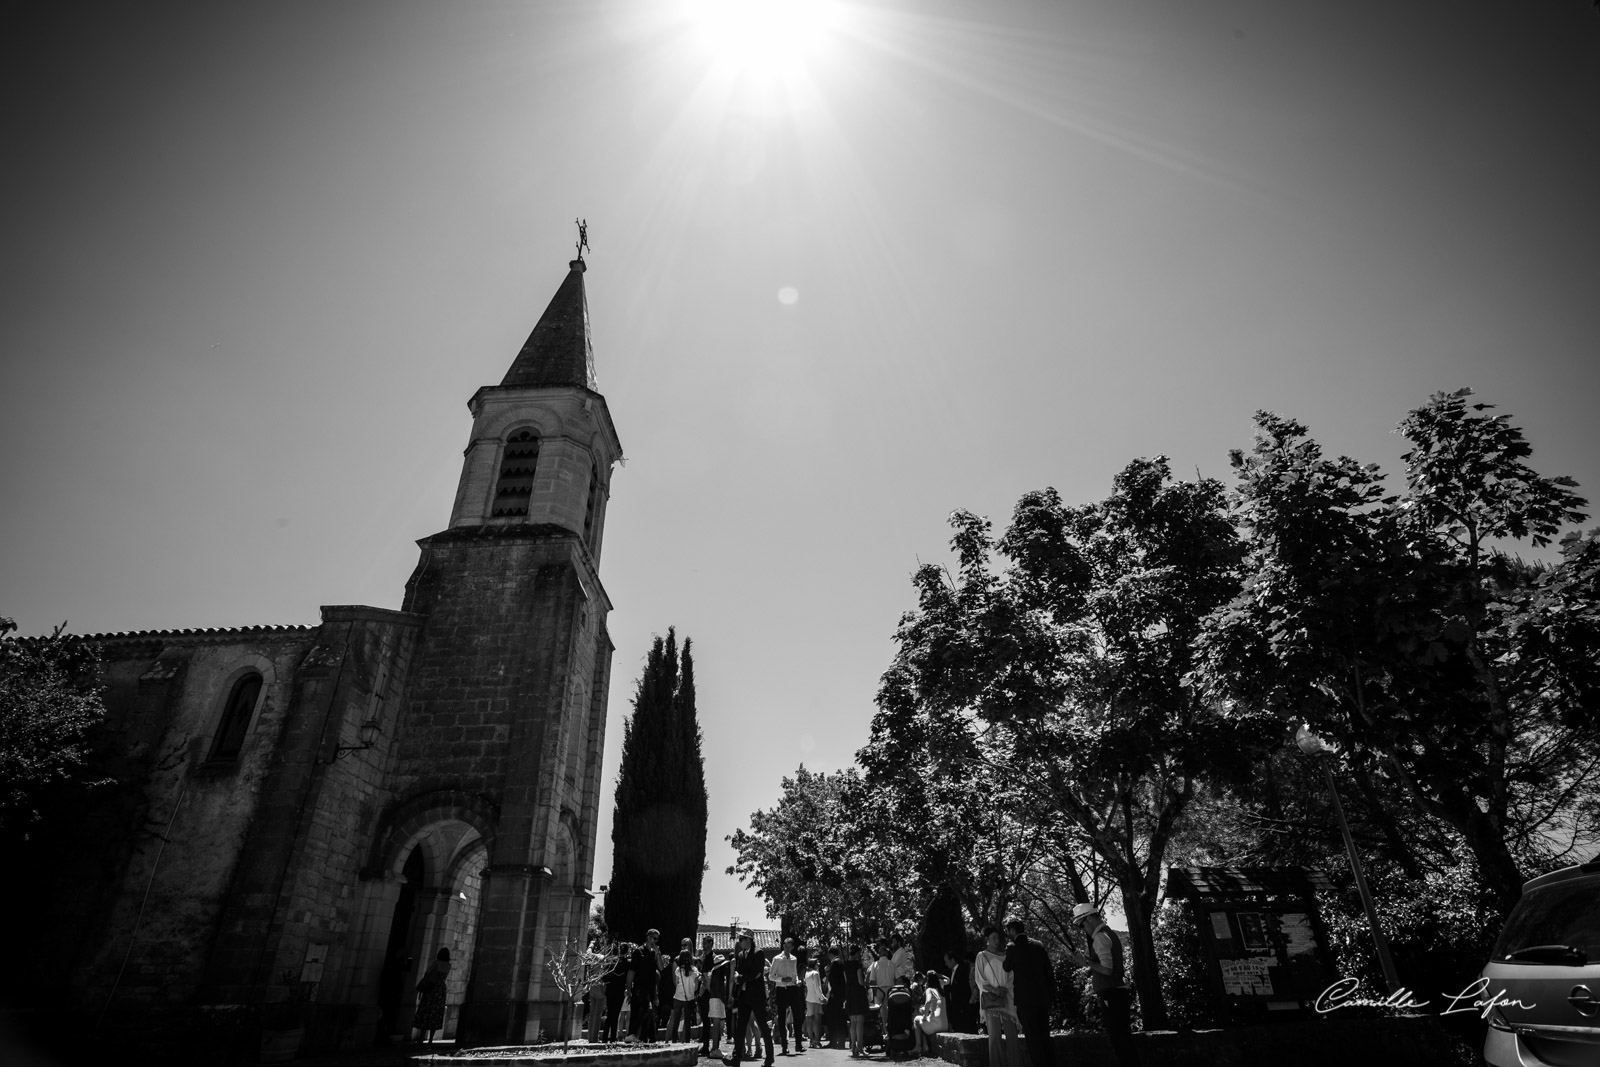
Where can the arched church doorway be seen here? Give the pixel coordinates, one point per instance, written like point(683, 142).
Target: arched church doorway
point(423, 895)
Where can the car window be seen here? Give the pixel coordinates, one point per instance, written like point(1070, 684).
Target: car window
point(1565, 913)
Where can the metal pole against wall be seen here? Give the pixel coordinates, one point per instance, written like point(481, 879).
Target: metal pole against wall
point(1391, 978)
point(1322, 752)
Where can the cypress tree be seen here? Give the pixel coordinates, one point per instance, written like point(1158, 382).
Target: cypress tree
point(658, 828)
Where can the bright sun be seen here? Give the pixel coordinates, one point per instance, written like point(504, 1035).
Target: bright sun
point(762, 36)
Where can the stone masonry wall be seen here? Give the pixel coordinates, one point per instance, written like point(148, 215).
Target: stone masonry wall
point(499, 706)
point(169, 854)
point(294, 885)
point(318, 906)
point(575, 438)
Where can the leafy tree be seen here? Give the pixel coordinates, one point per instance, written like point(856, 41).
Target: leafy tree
point(1069, 645)
point(49, 700)
point(1394, 627)
point(966, 831)
point(808, 860)
point(658, 831)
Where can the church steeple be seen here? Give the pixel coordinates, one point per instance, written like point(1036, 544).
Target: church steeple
point(543, 445)
point(558, 352)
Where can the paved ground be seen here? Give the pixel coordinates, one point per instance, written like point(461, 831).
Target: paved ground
point(397, 1055)
point(811, 1057)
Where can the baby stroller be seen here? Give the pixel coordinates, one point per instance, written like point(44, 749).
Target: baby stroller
point(900, 1042)
point(871, 1032)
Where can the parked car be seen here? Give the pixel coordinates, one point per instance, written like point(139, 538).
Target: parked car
point(1541, 989)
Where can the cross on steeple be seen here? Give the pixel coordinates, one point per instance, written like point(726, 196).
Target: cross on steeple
point(583, 235)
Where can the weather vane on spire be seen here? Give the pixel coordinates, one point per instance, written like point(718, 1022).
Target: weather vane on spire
point(583, 235)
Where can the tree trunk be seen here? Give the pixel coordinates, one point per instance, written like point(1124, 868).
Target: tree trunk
point(1146, 971)
point(1398, 848)
point(1483, 836)
point(1499, 870)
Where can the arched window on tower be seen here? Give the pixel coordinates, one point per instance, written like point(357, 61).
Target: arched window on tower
point(515, 487)
point(591, 514)
point(235, 721)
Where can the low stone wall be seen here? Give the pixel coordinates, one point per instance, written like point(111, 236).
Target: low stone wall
point(1414, 1041)
point(576, 1055)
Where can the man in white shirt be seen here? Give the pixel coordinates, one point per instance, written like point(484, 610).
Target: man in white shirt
point(784, 973)
point(882, 976)
point(905, 965)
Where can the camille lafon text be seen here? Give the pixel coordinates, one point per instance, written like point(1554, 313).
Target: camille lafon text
point(1346, 993)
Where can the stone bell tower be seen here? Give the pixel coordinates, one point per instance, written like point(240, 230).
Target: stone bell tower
point(506, 702)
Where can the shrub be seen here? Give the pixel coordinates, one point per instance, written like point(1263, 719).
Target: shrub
point(1191, 1002)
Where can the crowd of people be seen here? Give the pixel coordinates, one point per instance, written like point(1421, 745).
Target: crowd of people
point(856, 998)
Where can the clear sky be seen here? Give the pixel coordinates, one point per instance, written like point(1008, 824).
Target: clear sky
point(880, 261)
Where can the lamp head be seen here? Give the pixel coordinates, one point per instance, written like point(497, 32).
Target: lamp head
point(1311, 743)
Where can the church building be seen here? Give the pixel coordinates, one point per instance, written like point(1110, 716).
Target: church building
point(306, 815)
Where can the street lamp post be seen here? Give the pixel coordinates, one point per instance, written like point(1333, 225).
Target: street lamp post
point(1316, 747)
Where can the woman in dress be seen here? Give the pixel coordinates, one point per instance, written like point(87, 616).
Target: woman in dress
point(855, 1001)
point(835, 1020)
point(430, 997)
point(816, 997)
point(933, 1018)
point(717, 1004)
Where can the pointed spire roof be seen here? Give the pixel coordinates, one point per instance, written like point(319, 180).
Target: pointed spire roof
point(557, 352)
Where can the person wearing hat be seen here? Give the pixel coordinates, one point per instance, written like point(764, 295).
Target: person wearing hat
point(749, 995)
point(1104, 960)
point(717, 1000)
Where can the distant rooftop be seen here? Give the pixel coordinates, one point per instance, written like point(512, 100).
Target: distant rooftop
point(722, 938)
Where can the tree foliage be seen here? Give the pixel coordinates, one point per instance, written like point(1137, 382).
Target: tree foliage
point(1110, 687)
point(1068, 643)
point(1397, 628)
point(49, 700)
point(658, 830)
point(963, 829)
point(810, 860)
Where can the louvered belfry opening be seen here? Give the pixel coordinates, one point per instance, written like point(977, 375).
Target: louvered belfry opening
point(596, 492)
point(515, 487)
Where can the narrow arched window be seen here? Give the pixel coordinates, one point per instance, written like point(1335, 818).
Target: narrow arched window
point(236, 719)
point(515, 487)
point(591, 514)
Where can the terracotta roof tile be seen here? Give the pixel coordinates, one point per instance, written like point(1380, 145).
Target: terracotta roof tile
point(196, 632)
